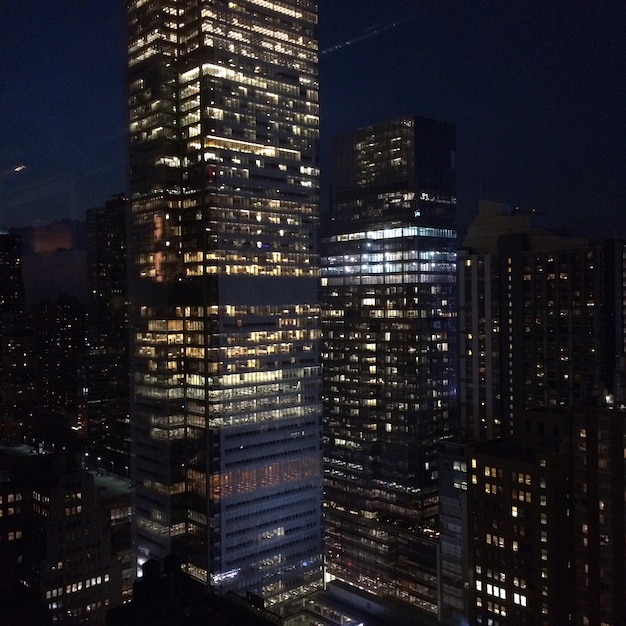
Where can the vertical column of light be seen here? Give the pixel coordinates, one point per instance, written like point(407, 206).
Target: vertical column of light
point(154, 252)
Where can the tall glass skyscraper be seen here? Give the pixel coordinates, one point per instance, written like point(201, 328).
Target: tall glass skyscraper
point(223, 114)
point(388, 300)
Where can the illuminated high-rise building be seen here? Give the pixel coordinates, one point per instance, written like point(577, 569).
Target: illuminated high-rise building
point(223, 275)
point(388, 320)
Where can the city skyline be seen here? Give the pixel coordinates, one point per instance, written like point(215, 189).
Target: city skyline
point(334, 394)
point(533, 90)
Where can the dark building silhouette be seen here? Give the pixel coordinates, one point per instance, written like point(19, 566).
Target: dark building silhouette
point(454, 544)
point(11, 281)
point(520, 529)
point(104, 374)
point(223, 275)
point(599, 516)
point(541, 320)
point(60, 331)
point(166, 596)
point(533, 524)
point(525, 499)
point(388, 319)
point(18, 365)
point(56, 533)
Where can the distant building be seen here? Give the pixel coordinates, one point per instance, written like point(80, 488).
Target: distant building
point(104, 374)
point(11, 280)
point(542, 338)
point(546, 523)
point(59, 536)
point(18, 365)
point(60, 328)
point(541, 320)
point(389, 353)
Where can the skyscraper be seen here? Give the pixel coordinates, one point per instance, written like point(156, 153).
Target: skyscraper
point(388, 282)
point(225, 405)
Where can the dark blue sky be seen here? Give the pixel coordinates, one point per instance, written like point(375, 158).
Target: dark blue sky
point(536, 89)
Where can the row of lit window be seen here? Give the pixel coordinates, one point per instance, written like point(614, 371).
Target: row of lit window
point(78, 586)
point(73, 510)
point(492, 607)
point(11, 497)
point(492, 590)
point(11, 510)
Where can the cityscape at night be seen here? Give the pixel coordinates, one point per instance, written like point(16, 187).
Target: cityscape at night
point(312, 313)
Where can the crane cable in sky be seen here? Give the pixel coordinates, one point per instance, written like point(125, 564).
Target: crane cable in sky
point(367, 33)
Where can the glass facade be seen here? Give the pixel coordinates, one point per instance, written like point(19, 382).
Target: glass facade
point(223, 117)
point(388, 319)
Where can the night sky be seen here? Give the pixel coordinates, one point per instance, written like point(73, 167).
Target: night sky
point(537, 90)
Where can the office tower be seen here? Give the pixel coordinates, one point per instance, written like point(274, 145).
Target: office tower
point(223, 273)
point(541, 320)
point(388, 322)
point(105, 369)
point(599, 477)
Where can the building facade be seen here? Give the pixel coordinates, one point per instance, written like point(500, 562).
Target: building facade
point(454, 534)
point(388, 319)
point(599, 452)
point(223, 114)
point(520, 502)
point(541, 321)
